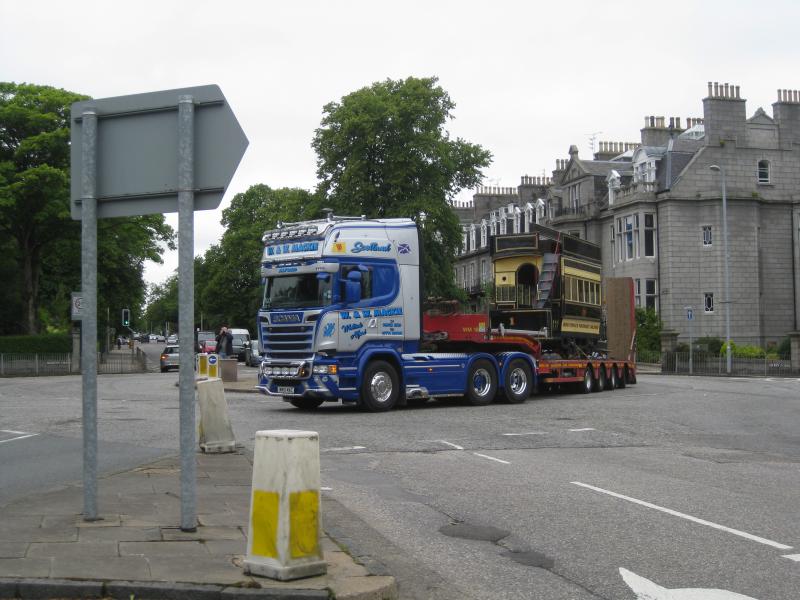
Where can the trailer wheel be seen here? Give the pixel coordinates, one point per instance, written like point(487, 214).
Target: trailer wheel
point(381, 387)
point(601, 383)
point(481, 383)
point(306, 403)
point(613, 381)
point(621, 380)
point(588, 380)
point(609, 381)
point(517, 382)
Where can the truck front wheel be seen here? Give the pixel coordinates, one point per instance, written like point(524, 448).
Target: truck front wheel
point(517, 382)
point(481, 383)
point(381, 387)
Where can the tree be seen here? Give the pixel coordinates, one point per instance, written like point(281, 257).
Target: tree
point(228, 277)
point(34, 178)
point(35, 213)
point(648, 330)
point(382, 151)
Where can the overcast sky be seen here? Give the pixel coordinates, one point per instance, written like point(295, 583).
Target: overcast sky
point(528, 78)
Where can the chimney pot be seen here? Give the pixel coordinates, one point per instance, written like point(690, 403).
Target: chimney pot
point(678, 122)
point(795, 95)
point(709, 89)
point(726, 91)
point(716, 89)
point(737, 92)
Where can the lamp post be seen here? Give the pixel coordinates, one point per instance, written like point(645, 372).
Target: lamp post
point(727, 300)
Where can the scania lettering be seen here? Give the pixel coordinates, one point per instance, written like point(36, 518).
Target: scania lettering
point(342, 320)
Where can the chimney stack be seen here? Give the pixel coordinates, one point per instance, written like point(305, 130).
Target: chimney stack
point(724, 115)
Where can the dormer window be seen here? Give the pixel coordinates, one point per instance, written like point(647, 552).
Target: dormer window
point(763, 171)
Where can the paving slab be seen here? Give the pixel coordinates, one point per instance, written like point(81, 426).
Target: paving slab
point(139, 549)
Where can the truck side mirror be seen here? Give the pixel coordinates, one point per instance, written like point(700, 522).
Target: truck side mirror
point(352, 287)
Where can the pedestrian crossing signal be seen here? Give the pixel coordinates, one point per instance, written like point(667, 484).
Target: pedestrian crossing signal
point(126, 317)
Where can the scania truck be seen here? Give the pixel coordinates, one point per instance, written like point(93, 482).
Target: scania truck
point(342, 319)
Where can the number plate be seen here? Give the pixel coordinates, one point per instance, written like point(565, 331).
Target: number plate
point(286, 389)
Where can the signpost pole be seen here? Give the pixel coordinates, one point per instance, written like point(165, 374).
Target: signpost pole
point(691, 341)
point(89, 323)
point(186, 308)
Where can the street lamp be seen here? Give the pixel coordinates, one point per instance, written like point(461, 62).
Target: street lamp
point(727, 300)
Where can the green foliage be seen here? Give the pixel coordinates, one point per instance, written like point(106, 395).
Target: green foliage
point(713, 344)
point(40, 253)
point(382, 151)
point(36, 344)
point(784, 348)
point(648, 330)
point(228, 276)
point(744, 351)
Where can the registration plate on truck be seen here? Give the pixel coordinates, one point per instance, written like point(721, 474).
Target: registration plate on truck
point(286, 389)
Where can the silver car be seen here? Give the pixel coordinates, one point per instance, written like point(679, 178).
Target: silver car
point(170, 359)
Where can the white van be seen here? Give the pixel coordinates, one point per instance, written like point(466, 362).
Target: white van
point(241, 344)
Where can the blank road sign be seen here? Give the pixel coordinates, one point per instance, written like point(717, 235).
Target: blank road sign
point(137, 151)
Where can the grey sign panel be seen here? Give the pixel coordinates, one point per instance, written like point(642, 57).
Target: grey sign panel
point(137, 151)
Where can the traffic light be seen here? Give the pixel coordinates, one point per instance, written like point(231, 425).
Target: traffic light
point(126, 317)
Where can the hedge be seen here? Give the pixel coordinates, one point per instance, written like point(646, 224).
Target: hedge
point(51, 343)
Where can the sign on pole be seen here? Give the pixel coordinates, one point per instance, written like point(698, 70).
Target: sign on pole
point(167, 151)
point(690, 318)
point(77, 306)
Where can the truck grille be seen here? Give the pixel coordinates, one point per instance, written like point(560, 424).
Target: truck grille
point(287, 342)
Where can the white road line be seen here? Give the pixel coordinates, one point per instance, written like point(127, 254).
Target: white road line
point(14, 432)
point(456, 446)
point(794, 557)
point(584, 429)
point(344, 448)
point(505, 462)
point(675, 513)
point(326, 489)
point(19, 437)
point(527, 433)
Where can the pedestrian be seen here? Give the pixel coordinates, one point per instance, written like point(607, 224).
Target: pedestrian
point(119, 342)
point(224, 342)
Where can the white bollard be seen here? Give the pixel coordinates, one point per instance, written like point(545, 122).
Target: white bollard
point(215, 431)
point(283, 540)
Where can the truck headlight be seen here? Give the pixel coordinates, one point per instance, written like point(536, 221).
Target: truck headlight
point(325, 369)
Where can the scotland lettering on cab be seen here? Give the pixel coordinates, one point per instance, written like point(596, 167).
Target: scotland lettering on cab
point(370, 247)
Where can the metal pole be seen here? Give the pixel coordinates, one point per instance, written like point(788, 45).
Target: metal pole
point(727, 275)
point(186, 308)
point(690, 347)
point(89, 324)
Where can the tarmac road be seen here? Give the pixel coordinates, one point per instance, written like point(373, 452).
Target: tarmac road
point(683, 482)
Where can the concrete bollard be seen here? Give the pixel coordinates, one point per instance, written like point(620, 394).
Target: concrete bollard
point(285, 528)
point(215, 431)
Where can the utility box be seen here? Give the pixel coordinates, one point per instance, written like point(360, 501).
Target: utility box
point(230, 371)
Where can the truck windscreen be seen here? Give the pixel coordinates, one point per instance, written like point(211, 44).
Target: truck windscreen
point(298, 291)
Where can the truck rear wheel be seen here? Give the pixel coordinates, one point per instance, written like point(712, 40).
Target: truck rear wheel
point(306, 403)
point(621, 379)
point(481, 383)
point(517, 382)
point(612, 379)
point(602, 381)
point(381, 387)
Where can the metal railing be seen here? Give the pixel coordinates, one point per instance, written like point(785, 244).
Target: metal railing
point(703, 363)
point(35, 365)
point(522, 295)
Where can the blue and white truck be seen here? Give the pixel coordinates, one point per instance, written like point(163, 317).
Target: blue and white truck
point(341, 319)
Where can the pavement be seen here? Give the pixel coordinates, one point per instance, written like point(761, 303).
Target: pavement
point(137, 549)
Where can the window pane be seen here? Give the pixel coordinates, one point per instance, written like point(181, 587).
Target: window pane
point(709, 302)
point(649, 242)
point(648, 220)
point(650, 286)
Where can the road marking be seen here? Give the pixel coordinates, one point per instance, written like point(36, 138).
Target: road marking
point(648, 590)
point(584, 429)
point(326, 489)
point(344, 448)
point(505, 462)
point(794, 557)
point(456, 446)
point(528, 433)
point(675, 513)
point(21, 435)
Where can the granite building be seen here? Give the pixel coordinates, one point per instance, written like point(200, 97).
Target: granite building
point(655, 207)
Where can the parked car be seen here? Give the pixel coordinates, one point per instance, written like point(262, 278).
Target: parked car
point(160, 338)
point(208, 346)
point(202, 338)
point(241, 345)
point(170, 358)
point(255, 357)
point(173, 339)
point(153, 337)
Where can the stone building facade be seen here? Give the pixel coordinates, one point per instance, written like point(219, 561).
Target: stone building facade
point(655, 207)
